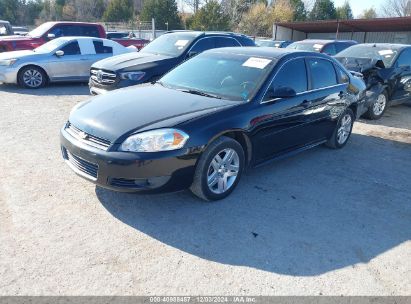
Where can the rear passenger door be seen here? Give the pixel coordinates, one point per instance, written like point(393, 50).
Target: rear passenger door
point(326, 99)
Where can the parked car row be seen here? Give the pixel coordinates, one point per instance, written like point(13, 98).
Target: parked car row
point(207, 120)
point(212, 105)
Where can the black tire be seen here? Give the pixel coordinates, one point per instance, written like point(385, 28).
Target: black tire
point(38, 80)
point(334, 142)
point(374, 111)
point(204, 169)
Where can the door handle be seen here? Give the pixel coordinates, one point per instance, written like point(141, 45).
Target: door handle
point(307, 103)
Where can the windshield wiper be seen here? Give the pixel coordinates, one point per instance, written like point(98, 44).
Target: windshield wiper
point(196, 92)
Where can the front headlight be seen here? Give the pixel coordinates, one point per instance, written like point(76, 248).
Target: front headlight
point(155, 141)
point(134, 76)
point(7, 62)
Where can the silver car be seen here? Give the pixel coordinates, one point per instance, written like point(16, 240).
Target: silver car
point(62, 59)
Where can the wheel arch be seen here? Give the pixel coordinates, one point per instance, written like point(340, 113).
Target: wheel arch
point(32, 65)
point(242, 138)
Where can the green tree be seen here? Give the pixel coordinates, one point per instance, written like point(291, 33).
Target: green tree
point(300, 13)
point(119, 10)
point(344, 12)
point(210, 17)
point(323, 10)
point(9, 10)
point(368, 13)
point(165, 12)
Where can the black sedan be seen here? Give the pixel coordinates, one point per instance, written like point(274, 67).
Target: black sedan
point(157, 58)
point(195, 129)
point(387, 72)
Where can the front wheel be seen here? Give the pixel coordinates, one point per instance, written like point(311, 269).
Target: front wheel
point(32, 77)
point(218, 170)
point(377, 109)
point(342, 131)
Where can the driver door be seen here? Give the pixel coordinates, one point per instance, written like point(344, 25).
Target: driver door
point(69, 66)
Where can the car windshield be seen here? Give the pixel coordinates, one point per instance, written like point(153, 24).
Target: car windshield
point(50, 46)
point(40, 30)
point(306, 46)
point(226, 76)
point(269, 43)
point(384, 53)
point(173, 44)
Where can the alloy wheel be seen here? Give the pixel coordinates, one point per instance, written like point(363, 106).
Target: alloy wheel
point(345, 129)
point(32, 78)
point(223, 171)
point(379, 105)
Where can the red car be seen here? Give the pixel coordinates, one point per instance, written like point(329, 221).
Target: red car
point(48, 31)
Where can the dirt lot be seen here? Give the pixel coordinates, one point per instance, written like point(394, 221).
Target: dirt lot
point(322, 222)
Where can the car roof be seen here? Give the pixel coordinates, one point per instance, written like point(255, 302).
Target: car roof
point(386, 45)
point(73, 22)
point(266, 52)
point(324, 41)
point(198, 33)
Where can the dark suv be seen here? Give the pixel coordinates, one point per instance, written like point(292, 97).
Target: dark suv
point(329, 47)
point(157, 58)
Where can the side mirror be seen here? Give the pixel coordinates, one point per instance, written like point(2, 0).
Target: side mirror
point(59, 53)
point(51, 36)
point(281, 92)
point(192, 54)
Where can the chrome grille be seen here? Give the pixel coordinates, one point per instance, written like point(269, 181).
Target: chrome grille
point(103, 77)
point(89, 139)
point(80, 165)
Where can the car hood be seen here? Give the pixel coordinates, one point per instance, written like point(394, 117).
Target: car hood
point(358, 64)
point(115, 115)
point(16, 38)
point(131, 61)
point(16, 54)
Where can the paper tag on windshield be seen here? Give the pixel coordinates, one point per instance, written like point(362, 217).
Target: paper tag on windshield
point(181, 43)
point(317, 46)
point(254, 62)
point(385, 52)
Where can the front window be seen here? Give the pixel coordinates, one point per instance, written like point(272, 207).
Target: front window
point(50, 46)
point(384, 53)
point(227, 76)
point(40, 30)
point(173, 44)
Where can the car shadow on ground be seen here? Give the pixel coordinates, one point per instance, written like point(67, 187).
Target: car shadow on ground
point(60, 89)
point(316, 212)
point(398, 116)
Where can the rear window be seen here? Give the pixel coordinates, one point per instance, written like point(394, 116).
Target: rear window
point(101, 48)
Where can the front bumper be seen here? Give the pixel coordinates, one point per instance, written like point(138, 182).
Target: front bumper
point(98, 89)
point(8, 74)
point(129, 172)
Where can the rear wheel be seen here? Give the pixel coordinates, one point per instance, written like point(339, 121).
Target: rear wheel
point(218, 170)
point(377, 109)
point(343, 130)
point(32, 77)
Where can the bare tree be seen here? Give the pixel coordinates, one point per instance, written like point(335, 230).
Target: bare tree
point(194, 5)
point(396, 8)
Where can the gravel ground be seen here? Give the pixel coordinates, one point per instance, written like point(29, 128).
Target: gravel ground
point(322, 222)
